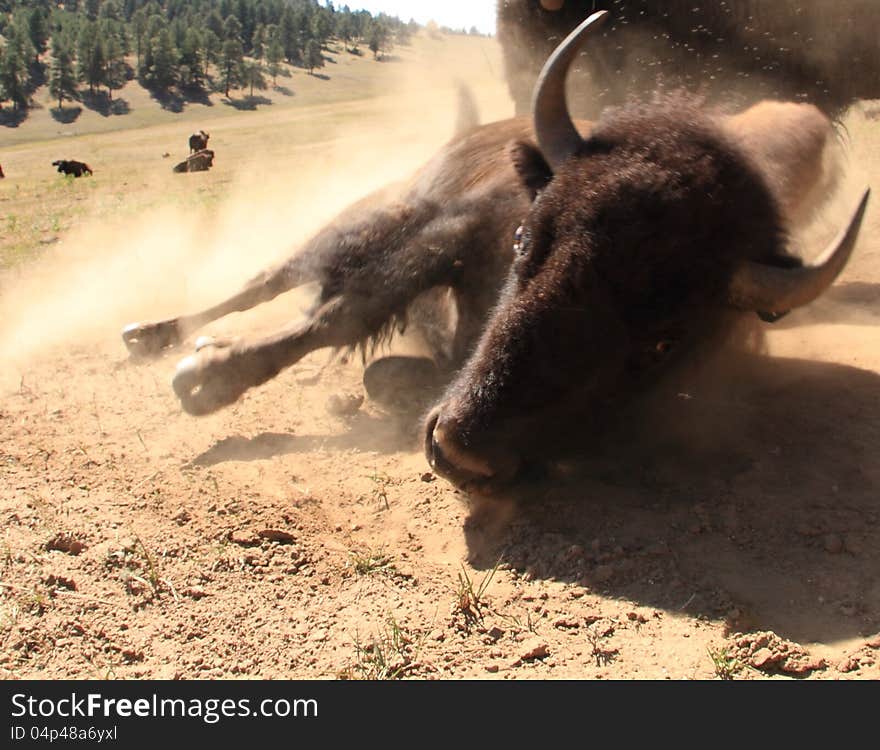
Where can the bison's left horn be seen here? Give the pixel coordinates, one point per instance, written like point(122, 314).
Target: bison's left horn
point(757, 286)
point(557, 136)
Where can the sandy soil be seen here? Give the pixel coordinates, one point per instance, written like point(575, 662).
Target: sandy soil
point(277, 540)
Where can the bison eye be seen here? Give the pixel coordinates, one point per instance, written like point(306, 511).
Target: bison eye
point(520, 240)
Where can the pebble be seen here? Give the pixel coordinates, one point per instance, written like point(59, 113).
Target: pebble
point(534, 649)
point(276, 535)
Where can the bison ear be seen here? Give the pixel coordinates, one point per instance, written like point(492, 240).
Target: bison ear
point(531, 166)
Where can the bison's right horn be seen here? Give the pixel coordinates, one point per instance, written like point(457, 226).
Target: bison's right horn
point(770, 289)
point(557, 136)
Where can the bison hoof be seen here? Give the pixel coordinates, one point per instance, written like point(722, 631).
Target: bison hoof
point(150, 339)
point(204, 382)
point(404, 385)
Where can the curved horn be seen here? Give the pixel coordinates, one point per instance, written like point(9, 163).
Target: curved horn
point(557, 136)
point(757, 286)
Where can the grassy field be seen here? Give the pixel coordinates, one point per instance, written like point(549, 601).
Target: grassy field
point(355, 106)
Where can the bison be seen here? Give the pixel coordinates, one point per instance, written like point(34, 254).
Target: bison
point(799, 50)
point(581, 270)
point(201, 161)
point(69, 166)
point(198, 141)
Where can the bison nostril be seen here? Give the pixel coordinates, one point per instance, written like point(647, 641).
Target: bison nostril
point(448, 455)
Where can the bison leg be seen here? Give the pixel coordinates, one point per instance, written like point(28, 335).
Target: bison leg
point(376, 286)
point(218, 374)
point(150, 339)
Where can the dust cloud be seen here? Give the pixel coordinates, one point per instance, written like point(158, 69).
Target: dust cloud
point(181, 256)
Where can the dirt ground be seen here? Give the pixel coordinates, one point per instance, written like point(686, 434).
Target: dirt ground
point(276, 539)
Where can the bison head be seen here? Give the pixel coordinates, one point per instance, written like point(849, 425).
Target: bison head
point(642, 241)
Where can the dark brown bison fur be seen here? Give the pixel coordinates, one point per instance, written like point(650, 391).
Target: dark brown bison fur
point(609, 292)
point(69, 166)
point(201, 161)
point(817, 51)
point(198, 141)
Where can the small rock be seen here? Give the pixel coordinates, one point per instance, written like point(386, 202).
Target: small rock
point(65, 543)
point(429, 477)
point(276, 535)
point(59, 582)
point(762, 657)
point(195, 592)
point(243, 539)
point(492, 668)
point(566, 623)
point(132, 656)
point(181, 517)
point(495, 634)
point(534, 649)
point(849, 664)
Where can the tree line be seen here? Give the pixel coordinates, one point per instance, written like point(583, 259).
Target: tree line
point(181, 46)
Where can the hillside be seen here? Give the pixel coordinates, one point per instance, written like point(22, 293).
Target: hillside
point(408, 100)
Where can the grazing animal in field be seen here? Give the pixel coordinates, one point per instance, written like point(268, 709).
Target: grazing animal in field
point(198, 141)
point(742, 51)
point(201, 161)
point(581, 268)
point(69, 166)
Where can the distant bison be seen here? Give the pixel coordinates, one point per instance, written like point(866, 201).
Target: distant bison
point(198, 141)
point(201, 161)
point(69, 166)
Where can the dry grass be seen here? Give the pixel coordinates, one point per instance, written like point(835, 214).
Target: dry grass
point(303, 119)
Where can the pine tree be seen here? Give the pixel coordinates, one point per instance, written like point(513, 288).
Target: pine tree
point(230, 64)
point(114, 65)
point(138, 32)
point(190, 65)
point(253, 76)
point(38, 30)
point(90, 57)
point(274, 55)
point(62, 77)
point(314, 58)
point(163, 72)
point(212, 47)
point(258, 43)
point(232, 28)
point(288, 35)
